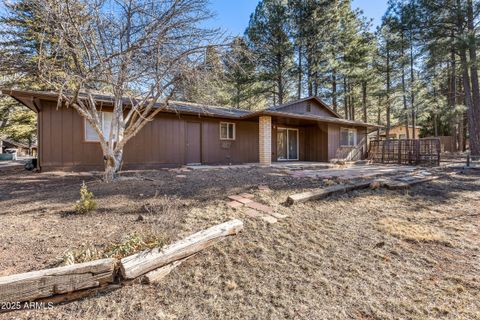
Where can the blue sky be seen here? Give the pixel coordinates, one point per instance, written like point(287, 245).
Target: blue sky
point(233, 15)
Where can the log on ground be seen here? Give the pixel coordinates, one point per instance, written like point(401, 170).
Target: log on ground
point(45, 283)
point(326, 192)
point(399, 185)
point(138, 264)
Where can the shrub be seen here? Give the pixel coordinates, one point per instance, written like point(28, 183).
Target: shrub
point(86, 202)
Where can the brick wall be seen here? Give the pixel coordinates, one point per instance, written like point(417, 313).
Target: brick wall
point(265, 143)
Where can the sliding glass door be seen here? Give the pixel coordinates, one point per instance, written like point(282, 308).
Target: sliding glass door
point(287, 144)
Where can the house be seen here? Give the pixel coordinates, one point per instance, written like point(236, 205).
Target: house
point(23, 150)
point(188, 133)
point(398, 131)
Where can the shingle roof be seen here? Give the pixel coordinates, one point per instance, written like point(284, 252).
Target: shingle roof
point(188, 107)
point(312, 117)
point(181, 107)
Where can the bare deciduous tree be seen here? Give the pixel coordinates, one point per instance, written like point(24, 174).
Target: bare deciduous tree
point(136, 50)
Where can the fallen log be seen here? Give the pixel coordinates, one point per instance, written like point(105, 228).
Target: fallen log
point(406, 184)
point(326, 192)
point(45, 283)
point(143, 262)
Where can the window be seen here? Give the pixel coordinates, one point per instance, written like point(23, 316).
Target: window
point(402, 136)
point(227, 131)
point(309, 107)
point(106, 120)
point(348, 137)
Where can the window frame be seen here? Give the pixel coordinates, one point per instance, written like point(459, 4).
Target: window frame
point(228, 124)
point(349, 130)
point(86, 123)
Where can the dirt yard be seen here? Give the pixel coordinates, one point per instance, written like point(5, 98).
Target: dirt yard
point(371, 254)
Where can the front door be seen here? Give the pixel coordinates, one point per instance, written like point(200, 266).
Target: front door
point(287, 144)
point(193, 143)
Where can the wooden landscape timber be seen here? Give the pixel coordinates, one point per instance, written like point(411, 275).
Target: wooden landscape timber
point(77, 281)
point(326, 192)
point(138, 264)
point(63, 280)
point(392, 183)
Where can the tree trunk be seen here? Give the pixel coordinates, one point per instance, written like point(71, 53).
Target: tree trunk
point(475, 88)
point(334, 90)
point(364, 100)
point(352, 103)
point(299, 93)
point(113, 162)
point(472, 121)
point(412, 83)
point(404, 89)
point(345, 98)
point(387, 128)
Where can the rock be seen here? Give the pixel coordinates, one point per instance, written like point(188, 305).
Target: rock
point(140, 218)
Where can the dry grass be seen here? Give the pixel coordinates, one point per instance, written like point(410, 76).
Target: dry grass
point(348, 257)
point(407, 230)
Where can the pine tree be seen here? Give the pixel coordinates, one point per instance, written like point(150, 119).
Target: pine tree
point(268, 38)
point(240, 74)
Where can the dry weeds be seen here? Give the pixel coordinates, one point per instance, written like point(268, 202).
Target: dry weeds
point(348, 257)
point(407, 230)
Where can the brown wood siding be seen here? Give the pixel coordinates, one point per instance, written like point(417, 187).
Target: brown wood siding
point(334, 138)
point(160, 143)
point(243, 149)
point(302, 108)
point(316, 143)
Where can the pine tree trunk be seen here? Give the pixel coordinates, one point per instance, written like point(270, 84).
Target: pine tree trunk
point(404, 89)
point(387, 128)
point(334, 90)
point(345, 98)
point(299, 85)
point(472, 50)
point(352, 104)
point(452, 93)
point(412, 83)
point(364, 100)
point(472, 120)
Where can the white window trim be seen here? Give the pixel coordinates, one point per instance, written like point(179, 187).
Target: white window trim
point(298, 144)
point(354, 137)
point(234, 130)
point(85, 123)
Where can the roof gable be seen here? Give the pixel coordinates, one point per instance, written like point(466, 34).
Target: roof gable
point(307, 106)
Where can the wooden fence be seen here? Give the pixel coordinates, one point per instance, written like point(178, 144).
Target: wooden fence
point(405, 151)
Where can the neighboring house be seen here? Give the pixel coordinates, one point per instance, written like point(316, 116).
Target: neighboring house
point(23, 150)
point(187, 133)
point(398, 131)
